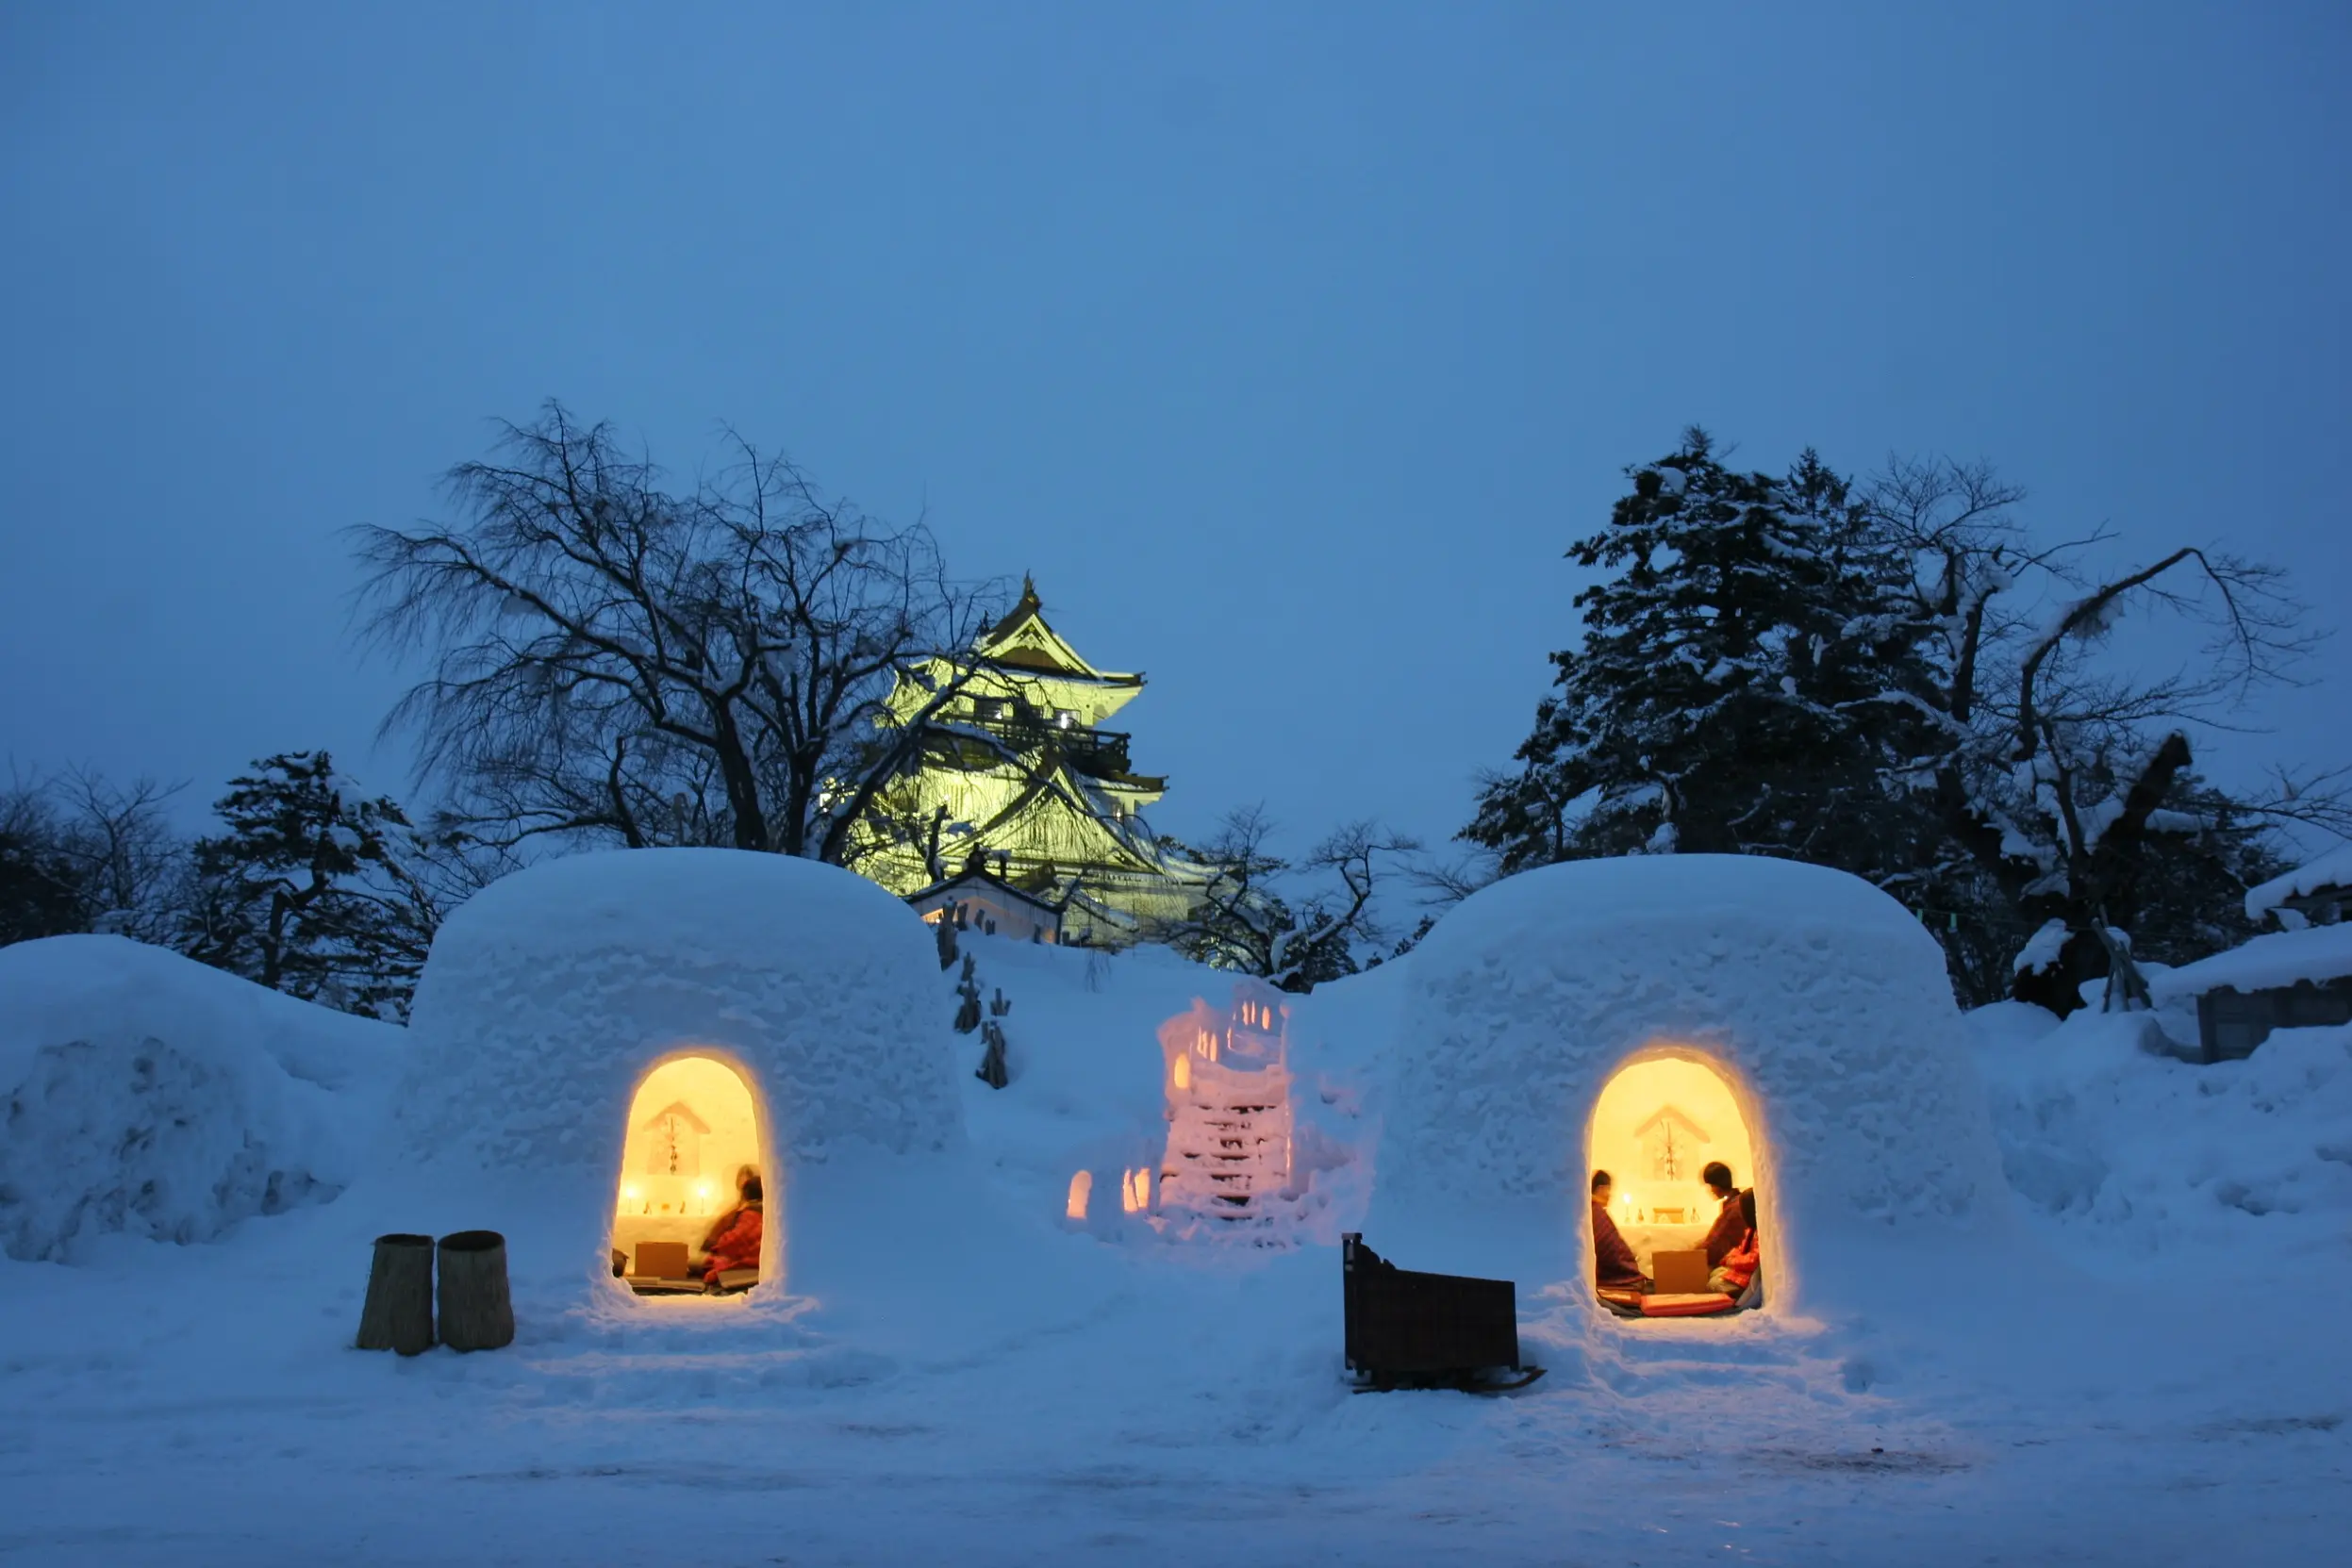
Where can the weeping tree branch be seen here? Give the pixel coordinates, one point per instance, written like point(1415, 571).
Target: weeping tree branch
point(612, 659)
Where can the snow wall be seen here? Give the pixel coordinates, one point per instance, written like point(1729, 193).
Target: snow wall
point(145, 1094)
point(551, 995)
point(1821, 999)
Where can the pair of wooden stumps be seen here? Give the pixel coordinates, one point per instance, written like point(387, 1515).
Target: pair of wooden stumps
point(476, 1312)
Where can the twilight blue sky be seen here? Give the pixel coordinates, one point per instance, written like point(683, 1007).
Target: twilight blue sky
point(1288, 345)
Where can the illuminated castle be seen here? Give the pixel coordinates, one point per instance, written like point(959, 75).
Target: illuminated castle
point(1025, 800)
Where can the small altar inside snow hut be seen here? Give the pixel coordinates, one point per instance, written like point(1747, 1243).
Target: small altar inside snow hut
point(692, 1126)
point(1658, 1123)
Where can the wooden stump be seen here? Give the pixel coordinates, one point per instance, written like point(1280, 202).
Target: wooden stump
point(398, 1313)
point(476, 1312)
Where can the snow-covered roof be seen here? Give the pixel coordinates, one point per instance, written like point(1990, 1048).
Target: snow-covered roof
point(2280, 958)
point(2332, 869)
point(989, 881)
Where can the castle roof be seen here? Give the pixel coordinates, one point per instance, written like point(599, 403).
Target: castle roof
point(1024, 640)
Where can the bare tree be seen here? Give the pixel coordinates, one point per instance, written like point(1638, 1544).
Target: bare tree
point(2053, 774)
point(1445, 883)
point(1246, 918)
point(79, 852)
point(615, 661)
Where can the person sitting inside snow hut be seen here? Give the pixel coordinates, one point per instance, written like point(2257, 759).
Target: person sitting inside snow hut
point(1738, 1269)
point(733, 1240)
point(1613, 1264)
point(1731, 1224)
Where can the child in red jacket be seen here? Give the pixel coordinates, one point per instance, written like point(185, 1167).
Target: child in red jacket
point(1738, 1268)
point(733, 1241)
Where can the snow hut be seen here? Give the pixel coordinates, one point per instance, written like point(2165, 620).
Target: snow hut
point(1650, 1016)
point(603, 1041)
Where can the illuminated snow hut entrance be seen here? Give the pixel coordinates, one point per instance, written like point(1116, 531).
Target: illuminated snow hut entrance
point(1657, 1126)
point(693, 1131)
point(1228, 1083)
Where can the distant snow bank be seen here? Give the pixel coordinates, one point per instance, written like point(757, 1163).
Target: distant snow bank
point(143, 1093)
point(2140, 1154)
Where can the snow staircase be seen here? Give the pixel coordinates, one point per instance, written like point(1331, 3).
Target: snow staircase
point(1227, 1157)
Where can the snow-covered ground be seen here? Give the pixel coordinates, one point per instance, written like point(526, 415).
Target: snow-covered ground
point(2153, 1368)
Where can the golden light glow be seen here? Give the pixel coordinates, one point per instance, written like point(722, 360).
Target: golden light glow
point(692, 1125)
point(1136, 1193)
point(1081, 1189)
point(1228, 1121)
point(1049, 807)
point(1658, 1123)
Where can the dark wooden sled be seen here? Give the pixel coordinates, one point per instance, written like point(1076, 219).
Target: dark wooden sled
point(1428, 1330)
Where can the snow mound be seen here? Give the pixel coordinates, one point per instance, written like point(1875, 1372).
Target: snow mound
point(145, 1094)
point(2143, 1154)
point(550, 996)
point(1820, 998)
point(1087, 1087)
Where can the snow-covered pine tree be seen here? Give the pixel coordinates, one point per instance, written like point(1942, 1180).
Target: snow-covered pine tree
point(1740, 688)
point(308, 890)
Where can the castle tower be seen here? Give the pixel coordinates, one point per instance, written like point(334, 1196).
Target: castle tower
point(1021, 777)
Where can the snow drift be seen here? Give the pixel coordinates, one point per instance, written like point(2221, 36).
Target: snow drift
point(143, 1093)
point(2140, 1154)
point(1818, 997)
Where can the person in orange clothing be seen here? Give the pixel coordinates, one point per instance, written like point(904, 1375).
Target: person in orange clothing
point(733, 1240)
point(1738, 1269)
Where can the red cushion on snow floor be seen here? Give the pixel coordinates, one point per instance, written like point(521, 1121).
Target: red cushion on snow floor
point(1686, 1306)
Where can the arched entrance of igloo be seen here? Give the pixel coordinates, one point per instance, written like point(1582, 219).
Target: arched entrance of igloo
point(685, 1219)
point(1663, 1240)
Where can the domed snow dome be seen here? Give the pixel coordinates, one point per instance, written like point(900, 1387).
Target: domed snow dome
point(1654, 1015)
point(605, 1043)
